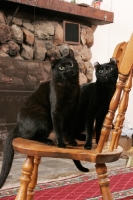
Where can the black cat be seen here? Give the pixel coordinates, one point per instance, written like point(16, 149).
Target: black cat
point(52, 106)
point(95, 100)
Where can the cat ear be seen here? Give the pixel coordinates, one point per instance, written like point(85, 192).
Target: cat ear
point(113, 60)
point(53, 59)
point(71, 53)
point(96, 64)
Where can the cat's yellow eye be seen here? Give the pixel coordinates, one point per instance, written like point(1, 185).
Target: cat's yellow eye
point(61, 68)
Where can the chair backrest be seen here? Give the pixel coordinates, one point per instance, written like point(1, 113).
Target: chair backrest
point(124, 55)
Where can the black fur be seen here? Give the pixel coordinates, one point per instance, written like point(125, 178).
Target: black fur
point(52, 106)
point(94, 102)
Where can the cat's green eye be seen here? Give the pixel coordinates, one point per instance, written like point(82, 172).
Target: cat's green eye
point(100, 71)
point(71, 64)
point(61, 68)
point(110, 68)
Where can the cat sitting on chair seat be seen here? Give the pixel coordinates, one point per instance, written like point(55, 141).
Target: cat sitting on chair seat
point(53, 106)
point(95, 100)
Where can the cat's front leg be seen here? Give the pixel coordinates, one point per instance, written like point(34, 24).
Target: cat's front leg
point(71, 141)
point(88, 144)
point(59, 129)
point(61, 143)
point(99, 123)
point(70, 123)
point(89, 134)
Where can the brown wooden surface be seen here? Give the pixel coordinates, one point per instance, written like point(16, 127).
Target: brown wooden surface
point(25, 179)
point(34, 176)
point(38, 149)
point(122, 108)
point(119, 52)
point(93, 15)
point(123, 54)
point(103, 181)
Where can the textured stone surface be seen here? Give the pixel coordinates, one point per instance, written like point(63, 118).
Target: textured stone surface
point(14, 21)
point(17, 33)
point(14, 48)
point(28, 26)
point(5, 48)
point(87, 37)
point(5, 33)
point(3, 54)
point(2, 18)
point(54, 51)
point(58, 35)
point(38, 39)
point(86, 53)
point(64, 49)
point(10, 48)
point(89, 71)
point(44, 30)
point(82, 78)
point(28, 36)
point(27, 52)
point(39, 50)
point(26, 75)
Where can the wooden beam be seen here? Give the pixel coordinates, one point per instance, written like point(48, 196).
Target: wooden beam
point(95, 16)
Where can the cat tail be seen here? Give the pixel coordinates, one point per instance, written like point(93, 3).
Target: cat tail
point(79, 166)
point(8, 154)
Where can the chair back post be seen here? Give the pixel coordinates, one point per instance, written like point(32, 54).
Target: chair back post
point(121, 114)
point(122, 108)
point(119, 52)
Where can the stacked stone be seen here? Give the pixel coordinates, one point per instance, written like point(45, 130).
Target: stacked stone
point(25, 40)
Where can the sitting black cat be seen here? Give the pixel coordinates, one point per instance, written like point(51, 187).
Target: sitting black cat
point(94, 102)
point(53, 106)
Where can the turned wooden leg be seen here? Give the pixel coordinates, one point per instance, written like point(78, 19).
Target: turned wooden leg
point(25, 178)
point(32, 184)
point(103, 181)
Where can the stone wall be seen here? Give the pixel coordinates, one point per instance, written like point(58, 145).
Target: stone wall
point(28, 39)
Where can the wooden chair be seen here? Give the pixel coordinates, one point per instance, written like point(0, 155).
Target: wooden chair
point(105, 152)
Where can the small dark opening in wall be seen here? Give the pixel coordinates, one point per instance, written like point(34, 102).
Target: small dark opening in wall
point(71, 32)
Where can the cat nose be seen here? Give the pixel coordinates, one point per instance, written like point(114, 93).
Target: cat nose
point(105, 72)
point(68, 69)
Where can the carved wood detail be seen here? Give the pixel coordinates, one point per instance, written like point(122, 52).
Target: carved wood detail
point(32, 184)
point(103, 181)
point(25, 178)
point(121, 114)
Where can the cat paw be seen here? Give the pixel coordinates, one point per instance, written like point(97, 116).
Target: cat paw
point(73, 143)
point(62, 145)
point(87, 147)
point(49, 142)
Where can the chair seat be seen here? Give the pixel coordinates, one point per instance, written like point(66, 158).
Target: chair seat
point(33, 148)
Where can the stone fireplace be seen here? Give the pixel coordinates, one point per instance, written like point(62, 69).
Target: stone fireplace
point(30, 31)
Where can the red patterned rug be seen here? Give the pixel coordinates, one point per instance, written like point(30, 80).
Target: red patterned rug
point(82, 187)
